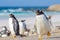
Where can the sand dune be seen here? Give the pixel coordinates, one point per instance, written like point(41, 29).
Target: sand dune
point(55, 7)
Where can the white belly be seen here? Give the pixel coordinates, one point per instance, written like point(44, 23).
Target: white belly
point(11, 27)
point(12, 30)
point(22, 29)
point(42, 25)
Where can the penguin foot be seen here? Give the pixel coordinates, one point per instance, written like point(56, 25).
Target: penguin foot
point(40, 37)
point(48, 34)
point(13, 36)
point(23, 35)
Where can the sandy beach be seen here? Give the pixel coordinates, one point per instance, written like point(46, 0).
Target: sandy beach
point(33, 37)
point(41, 17)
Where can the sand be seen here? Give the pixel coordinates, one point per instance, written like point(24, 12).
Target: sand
point(33, 37)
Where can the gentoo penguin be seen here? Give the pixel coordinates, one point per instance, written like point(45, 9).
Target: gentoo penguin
point(13, 25)
point(22, 26)
point(42, 25)
point(3, 32)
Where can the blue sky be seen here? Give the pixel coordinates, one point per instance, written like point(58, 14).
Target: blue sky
point(25, 3)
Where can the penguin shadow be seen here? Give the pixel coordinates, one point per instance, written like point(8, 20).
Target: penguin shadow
point(22, 35)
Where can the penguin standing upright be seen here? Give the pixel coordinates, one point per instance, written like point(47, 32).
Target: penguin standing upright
point(22, 27)
point(42, 25)
point(13, 25)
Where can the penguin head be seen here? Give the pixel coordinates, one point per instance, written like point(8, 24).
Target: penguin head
point(22, 20)
point(39, 12)
point(11, 15)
